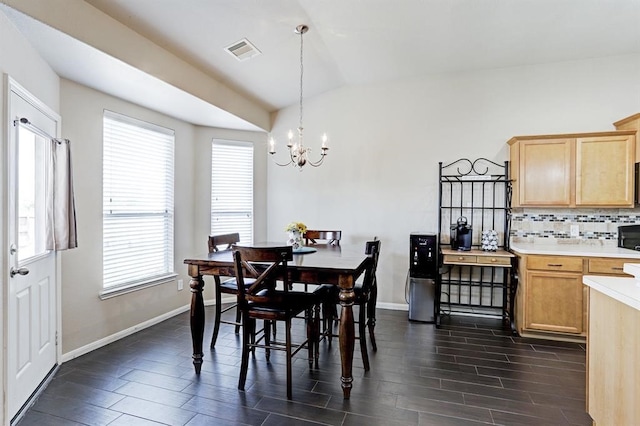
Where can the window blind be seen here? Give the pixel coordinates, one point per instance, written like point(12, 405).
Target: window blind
point(138, 179)
point(232, 189)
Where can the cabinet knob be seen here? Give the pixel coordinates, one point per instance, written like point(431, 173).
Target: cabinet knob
point(493, 259)
point(460, 258)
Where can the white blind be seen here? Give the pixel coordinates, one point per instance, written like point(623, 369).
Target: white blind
point(232, 189)
point(137, 222)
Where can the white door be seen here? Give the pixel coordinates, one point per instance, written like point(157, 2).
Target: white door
point(31, 278)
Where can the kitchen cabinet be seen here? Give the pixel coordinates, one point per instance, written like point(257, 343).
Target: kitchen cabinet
point(573, 170)
point(554, 295)
point(631, 123)
point(552, 300)
point(613, 350)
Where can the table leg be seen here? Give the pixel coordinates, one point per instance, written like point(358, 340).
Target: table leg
point(197, 316)
point(347, 333)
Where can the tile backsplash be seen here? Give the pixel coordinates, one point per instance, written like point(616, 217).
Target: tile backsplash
point(594, 226)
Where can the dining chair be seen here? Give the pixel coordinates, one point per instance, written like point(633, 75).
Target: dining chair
point(366, 294)
point(228, 286)
point(262, 300)
point(313, 237)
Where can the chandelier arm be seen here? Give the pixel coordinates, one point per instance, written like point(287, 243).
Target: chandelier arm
point(319, 162)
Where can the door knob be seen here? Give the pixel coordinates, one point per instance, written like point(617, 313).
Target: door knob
point(21, 271)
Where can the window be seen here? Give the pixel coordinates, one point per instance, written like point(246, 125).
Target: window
point(137, 218)
point(32, 181)
point(232, 189)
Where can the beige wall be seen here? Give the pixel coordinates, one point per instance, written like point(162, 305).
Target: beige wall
point(381, 175)
point(86, 318)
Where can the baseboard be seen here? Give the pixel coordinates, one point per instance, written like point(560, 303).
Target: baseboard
point(121, 334)
point(153, 321)
point(393, 306)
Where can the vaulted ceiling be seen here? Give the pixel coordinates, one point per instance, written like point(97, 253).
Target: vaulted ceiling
point(350, 42)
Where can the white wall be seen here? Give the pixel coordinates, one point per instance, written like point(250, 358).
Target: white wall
point(381, 175)
point(20, 61)
point(86, 318)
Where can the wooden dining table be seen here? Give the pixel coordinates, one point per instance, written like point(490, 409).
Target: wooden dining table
point(337, 265)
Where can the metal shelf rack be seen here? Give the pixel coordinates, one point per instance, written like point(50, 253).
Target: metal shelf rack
point(479, 190)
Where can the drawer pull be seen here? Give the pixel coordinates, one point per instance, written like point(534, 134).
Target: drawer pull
point(493, 259)
point(617, 269)
point(460, 258)
point(554, 264)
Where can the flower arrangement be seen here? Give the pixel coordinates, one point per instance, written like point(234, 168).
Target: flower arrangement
point(296, 227)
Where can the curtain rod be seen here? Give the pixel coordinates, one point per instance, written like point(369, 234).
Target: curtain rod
point(23, 121)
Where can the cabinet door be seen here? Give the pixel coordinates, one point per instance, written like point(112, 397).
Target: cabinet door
point(605, 171)
point(554, 302)
point(546, 171)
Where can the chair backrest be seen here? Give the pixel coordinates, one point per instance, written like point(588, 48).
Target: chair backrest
point(331, 238)
point(226, 240)
point(266, 265)
point(372, 249)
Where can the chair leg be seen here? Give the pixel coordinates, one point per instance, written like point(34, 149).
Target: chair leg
point(267, 339)
point(371, 314)
point(311, 344)
point(362, 336)
point(288, 351)
point(238, 317)
point(316, 333)
point(216, 324)
point(244, 365)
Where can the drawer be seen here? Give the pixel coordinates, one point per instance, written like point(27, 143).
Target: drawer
point(494, 260)
point(555, 263)
point(460, 258)
point(608, 266)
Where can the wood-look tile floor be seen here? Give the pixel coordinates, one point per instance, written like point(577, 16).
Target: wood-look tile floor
point(468, 372)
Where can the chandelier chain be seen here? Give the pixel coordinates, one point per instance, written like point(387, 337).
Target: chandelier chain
point(301, 74)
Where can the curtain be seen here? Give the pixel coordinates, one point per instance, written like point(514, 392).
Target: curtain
point(61, 210)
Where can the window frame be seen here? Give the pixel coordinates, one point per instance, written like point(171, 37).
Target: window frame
point(128, 208)
point(246, 234)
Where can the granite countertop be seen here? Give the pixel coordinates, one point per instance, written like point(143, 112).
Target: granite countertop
point(584, 250)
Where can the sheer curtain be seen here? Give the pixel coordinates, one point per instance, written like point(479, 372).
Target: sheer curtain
point(61, 210)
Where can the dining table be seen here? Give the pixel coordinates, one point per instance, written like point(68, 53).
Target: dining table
point(319, 264)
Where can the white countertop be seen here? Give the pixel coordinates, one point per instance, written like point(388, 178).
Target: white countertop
point(624, 290)
point(588, 250)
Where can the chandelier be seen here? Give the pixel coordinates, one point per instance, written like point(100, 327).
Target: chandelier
point(298, 153)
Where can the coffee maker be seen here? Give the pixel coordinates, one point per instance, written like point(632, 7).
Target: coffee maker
point(461, 235)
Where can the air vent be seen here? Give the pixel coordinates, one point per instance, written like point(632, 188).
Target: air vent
point(242, 50)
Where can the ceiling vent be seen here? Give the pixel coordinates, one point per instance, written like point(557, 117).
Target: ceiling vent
point(242, 50)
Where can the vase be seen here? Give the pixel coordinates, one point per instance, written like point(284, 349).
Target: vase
point(295, 239)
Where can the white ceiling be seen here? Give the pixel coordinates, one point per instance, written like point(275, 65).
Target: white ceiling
point(350, 42)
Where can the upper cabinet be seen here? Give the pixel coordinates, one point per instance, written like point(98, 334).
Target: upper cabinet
point(631, 123)
point(581, 169)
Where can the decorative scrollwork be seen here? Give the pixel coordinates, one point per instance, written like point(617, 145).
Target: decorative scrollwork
point(466, 167)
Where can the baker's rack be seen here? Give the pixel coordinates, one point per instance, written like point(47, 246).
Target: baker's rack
point(479, 190)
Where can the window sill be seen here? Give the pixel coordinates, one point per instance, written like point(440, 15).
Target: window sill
point(130, 288)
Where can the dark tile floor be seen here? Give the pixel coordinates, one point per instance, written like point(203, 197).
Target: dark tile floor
point(468, 372)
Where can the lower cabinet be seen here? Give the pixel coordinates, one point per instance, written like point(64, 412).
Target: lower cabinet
point(552, 301)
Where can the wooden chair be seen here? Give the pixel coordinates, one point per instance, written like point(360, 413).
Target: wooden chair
point(366, 294)
point(262, 301)
point(229, 286)
point(313, 237)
